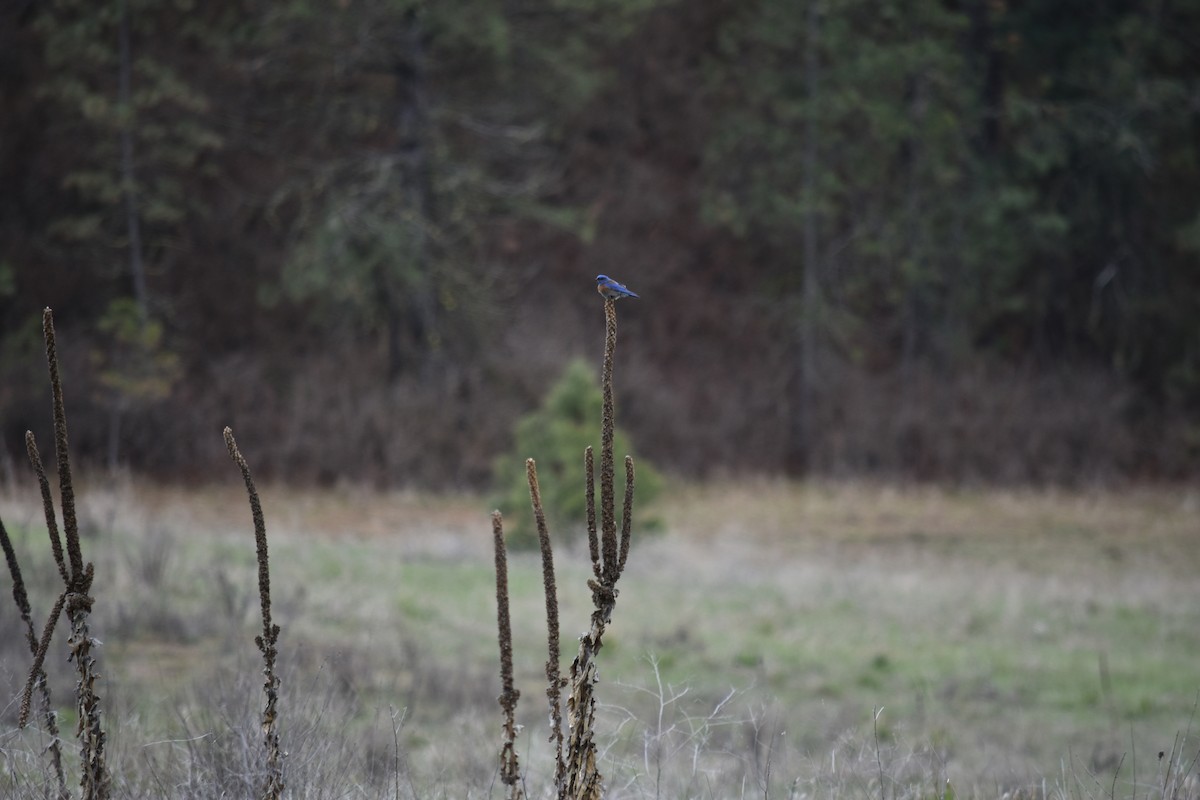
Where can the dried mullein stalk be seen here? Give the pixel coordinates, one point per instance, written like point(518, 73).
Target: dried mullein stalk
point(554, 682)
point(608, 524)
point(75, 599)
point(584, 781)
point(626, 515)
point(576, 775)
point(510, 767)
point(589, 490)
point(267, 642)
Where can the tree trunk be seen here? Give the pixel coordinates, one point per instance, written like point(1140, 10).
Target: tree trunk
point(914, 323)
point(800, 439)
point(416, 314)
point(982, 44)
point(137, 267)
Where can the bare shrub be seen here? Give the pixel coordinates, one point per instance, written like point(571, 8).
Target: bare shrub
point(74, 599)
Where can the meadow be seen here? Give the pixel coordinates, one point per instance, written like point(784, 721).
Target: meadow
point(825, 639)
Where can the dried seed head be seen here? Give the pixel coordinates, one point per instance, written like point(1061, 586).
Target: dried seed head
point(626, 515)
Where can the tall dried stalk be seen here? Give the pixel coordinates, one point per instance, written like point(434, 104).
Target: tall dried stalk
point(75, 600)
point(576, 776)
point(554, 682)
point(626, 515)
point(267, 641)
point(510, 767)
point(49, 718)
point(608, 523)
point(584, 781)
point(589, 491)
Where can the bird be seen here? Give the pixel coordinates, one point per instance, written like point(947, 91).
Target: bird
point(610, 289)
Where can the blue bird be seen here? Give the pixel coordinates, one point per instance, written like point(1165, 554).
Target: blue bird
point(610, 289)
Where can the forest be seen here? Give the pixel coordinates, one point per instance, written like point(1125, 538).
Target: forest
point(939, 240)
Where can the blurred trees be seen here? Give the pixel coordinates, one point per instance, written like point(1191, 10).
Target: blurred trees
point(848, 160)
point(826, 203)
point(965, 179)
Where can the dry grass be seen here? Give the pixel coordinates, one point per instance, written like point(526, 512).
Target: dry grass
point(773, 589)
point(1055, 531)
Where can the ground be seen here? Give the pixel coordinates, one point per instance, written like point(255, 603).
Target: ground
point(775, 639)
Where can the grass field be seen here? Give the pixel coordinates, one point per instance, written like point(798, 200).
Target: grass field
point(777, 640)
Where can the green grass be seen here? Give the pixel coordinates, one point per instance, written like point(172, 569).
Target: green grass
point(979, 621)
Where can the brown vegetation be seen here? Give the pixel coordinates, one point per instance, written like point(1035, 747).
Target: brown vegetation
point(576, 772)
point(268, 640)
point(75, 599)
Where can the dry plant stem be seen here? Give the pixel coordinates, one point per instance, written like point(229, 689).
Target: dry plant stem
point(38, 672)
point(35, 458)
point(583, 778)
point(608, 525)
point(66, 490)
point(626, 514)
point(75, 600)
point(19, 595)
point(49, 719)
point(553, 679)
point(90, 731)
point(268, 640)
point(510, 768)
point(39, 653)
point(39, 659)
point(590, 495)
point(878, 759)
point(584, 781)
